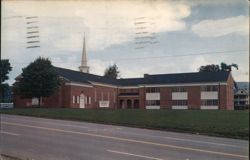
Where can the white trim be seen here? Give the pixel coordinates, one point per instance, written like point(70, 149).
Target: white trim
point(209, 107)
point(153, 107)
point(179, 95)
point(128, 87)
point(153, 96)
point(77, 84)
point(209, 95)
point(183, 84)
point(179, 107)
point(101, 84)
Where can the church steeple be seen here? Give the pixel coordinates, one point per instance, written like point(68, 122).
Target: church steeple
point(84, 68)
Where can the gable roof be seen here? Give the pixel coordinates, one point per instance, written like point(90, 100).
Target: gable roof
point(76, 76)
point(242, 92)
point(195, 77)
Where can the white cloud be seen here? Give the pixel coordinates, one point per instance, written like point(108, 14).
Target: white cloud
point(221, 27)
point(197, 62)
point(106, 23)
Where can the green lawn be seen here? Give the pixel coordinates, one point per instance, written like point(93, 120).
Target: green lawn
point(234, 124)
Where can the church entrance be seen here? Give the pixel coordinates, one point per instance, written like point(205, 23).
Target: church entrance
point(82, 102)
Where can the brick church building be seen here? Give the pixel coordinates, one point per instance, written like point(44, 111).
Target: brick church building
point(197, 90)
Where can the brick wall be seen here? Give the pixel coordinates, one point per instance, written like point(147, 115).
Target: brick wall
point(166, 97)
point(194, 97)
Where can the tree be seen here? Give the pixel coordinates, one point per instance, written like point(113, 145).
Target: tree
point(225, 67)
point(210, 68)
point(5, 68)
point(112, 72)
point(215, 68)
point(38, 79)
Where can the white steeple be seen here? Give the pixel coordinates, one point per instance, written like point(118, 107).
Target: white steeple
point(84, 68)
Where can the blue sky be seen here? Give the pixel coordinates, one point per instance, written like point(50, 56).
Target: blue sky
point(218, 28)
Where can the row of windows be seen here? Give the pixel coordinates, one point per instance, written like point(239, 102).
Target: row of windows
point(152, 89)
point(179, 102)
point(153, 102)
point(76, 99)
point(210, 102)
point(132, 90)
point(179, 89)
point(209, 88)
point(100, 96)
point(183, 89)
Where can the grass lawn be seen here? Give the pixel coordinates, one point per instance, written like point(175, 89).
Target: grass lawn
point(233, 124)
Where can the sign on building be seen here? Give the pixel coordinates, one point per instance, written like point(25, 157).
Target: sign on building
point(103, 104)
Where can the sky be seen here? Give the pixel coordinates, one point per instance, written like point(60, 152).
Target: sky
point(141, 36)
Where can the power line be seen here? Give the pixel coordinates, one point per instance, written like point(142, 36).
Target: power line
point(157, 57)
point(183, 55)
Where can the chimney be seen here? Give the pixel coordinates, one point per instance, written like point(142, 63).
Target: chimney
point(145, 75)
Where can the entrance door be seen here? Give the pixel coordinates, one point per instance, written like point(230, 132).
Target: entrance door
point(82, 102)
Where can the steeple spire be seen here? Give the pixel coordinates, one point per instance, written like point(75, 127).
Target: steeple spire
point(84, 68)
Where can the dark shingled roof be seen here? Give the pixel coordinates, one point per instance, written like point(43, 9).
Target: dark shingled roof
point(131, 81)
point(194, 77)
point(77, 76)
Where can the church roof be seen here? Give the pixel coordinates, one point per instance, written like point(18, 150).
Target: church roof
point(194, 77)
point(87, 78)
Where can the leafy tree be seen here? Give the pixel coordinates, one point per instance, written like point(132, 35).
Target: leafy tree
point(210, 68)
point(39, 79)
point(215, 68)
point(5, 68)
point(6, 94)
point(223, 67)
point(112, 72)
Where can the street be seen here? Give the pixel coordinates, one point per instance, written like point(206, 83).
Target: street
point(47, 139)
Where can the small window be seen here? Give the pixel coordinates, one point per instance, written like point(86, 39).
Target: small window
point(152, 89)
point(179, 89)
point(153, 102)
point(209, 88)
point(73, 99)
point(209, 102)
point(89, 100)
point(78, 99)
point(179, 102)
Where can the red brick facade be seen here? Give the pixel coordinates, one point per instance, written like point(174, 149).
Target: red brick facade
point(69, 95)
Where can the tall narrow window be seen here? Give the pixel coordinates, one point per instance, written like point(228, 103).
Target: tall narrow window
point(89, 100)
point(102, 96)
point(73, 99)
point(78, 99)
point(95, 95)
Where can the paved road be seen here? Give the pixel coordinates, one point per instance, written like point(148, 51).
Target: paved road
point(46, 139)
